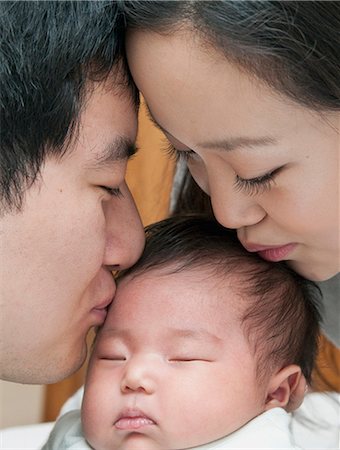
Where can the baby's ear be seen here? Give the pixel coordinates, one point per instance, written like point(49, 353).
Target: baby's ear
point(287, 385)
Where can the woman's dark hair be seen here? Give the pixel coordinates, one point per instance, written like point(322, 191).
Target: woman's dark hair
point(48, 52)
point(280, 309)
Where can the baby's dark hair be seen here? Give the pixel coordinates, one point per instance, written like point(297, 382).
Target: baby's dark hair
point(281, 315)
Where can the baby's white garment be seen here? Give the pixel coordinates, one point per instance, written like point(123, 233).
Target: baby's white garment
point(270, 430)
point(67, 434)
point(316, 424)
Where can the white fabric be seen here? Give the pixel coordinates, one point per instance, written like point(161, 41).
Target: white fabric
point(67, 434)
point(316, 424)
point(270, 430)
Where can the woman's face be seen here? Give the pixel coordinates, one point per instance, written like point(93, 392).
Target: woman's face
point(269, 165)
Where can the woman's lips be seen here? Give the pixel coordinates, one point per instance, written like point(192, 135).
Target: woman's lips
point(274, 253)
point(133, 420)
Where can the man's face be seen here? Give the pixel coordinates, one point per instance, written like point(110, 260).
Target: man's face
point(171, 368)
point(58, 252)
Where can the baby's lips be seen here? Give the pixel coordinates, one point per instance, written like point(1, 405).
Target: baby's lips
point(133, 423)
point(133, 419)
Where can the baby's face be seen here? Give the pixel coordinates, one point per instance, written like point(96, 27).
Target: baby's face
point(171, 368)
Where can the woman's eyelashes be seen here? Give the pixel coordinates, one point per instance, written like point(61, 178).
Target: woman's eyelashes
point(257, 185)
point(179, 155)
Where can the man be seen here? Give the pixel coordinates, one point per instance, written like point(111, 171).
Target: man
point(68, 126)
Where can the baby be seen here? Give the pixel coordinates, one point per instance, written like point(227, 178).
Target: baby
point(202, 347)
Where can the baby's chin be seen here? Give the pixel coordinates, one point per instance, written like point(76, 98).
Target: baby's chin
point(136, 442)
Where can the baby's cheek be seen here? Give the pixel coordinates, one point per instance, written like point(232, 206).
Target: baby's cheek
point(190, 398)
point(90, 411)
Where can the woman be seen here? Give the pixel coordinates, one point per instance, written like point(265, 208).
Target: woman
point(248, 94)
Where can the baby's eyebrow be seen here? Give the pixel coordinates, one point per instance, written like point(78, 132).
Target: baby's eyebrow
point(198, 334)
point(116, 332)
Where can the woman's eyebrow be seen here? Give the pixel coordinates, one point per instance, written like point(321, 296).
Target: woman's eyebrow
point(239, 142)
point(224, 144)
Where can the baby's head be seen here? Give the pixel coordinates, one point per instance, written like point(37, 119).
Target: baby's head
point(202, 337)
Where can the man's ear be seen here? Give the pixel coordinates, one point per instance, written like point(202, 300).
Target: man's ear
point(287, 384)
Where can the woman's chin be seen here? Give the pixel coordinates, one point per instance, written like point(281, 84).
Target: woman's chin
point(313, 271)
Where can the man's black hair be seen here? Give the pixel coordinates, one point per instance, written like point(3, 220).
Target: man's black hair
point(49, 50)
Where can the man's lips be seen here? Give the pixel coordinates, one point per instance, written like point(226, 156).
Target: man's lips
point(133, 419)
point(104, 304)
point(271, 253)
point(99, 312)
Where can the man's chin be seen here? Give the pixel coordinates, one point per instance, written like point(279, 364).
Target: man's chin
point(71, 365)
point(62, 367)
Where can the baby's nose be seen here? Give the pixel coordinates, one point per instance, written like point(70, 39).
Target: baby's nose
point(139, 376)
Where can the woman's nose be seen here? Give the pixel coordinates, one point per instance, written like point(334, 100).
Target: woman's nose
point(233, 208)
point(125, 236)
point(139, 376)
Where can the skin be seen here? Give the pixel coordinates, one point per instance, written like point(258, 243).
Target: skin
point(208, 108)
point(60, 249)
point(172, 343)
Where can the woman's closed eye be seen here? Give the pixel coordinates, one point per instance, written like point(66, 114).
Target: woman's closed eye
point(257, 185)
point(251, 186)
point(177, 155)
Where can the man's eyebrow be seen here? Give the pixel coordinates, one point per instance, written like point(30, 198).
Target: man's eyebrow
point(117, 150)
point(224, 144)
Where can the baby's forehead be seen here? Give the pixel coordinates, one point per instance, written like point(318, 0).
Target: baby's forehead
point(200, 293)
point(210, 279)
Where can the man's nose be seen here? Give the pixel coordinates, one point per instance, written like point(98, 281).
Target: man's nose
point(139, 376)
point(125, 236)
